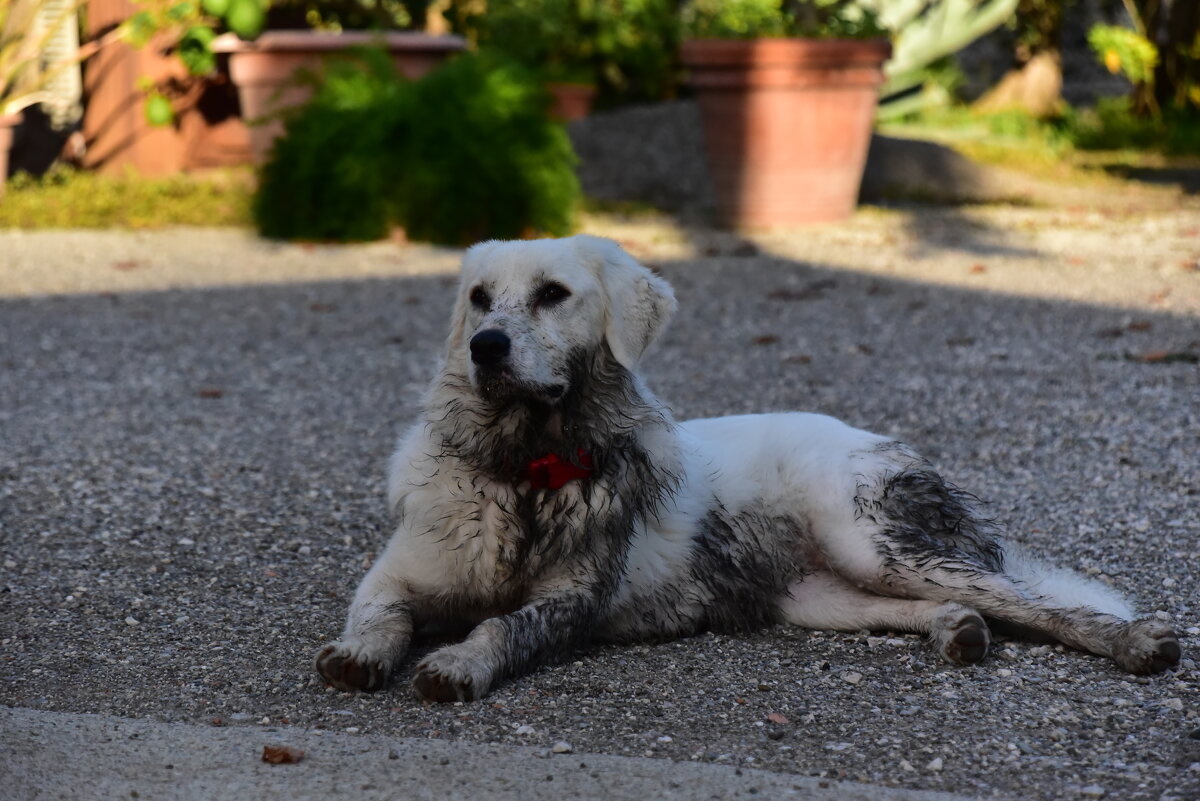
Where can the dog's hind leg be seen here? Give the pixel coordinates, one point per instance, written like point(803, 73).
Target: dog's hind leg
point(913, 536)
point(825, 601)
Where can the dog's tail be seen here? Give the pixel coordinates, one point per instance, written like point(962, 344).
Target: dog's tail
point(1061, 588)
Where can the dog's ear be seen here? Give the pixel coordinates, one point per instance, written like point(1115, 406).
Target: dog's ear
point(639, 303)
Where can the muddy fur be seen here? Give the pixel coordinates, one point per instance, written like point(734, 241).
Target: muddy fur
point(725, 524)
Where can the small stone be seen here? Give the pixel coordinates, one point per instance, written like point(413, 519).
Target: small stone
point(1174, 704)
point(265, 721)
point(1161, 615)
point(562, 747)
point(1194, 734)
point(775, 734)
point(1092, 791)
point(852, 677)
point(935, 765)
point(351, 730)
point(393, 754)
point(525, 730)
point(666, 738)
point(131, 621)
point(906, 765)
point(186, 542)
point(10, 564)
point(1169, 582)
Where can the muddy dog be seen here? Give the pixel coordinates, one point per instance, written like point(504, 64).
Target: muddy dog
point(546, 497)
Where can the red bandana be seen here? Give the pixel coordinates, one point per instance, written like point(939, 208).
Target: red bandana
point(551, 472)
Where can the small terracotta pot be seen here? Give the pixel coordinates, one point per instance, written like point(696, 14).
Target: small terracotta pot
point(7, 123)
point(572, 101)
point(264, 70)
point(787, 123)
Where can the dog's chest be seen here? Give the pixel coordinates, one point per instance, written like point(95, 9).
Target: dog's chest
point(474, 542)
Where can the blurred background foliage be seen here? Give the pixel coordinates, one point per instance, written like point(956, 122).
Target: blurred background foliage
point(463, 154)
point(470, 150)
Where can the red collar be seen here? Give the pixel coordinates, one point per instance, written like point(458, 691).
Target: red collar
point(551, 472)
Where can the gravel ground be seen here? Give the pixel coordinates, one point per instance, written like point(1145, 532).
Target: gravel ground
point(194, 426)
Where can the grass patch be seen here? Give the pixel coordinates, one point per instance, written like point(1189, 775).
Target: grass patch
point(68, 198)
point(1078, 146)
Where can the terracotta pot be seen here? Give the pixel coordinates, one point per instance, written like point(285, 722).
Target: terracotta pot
point(7, 123)
point(787, 123)
point(572, 101)
point(208, 131)
point(265, 70)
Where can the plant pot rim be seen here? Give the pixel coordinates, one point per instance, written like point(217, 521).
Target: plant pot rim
point(789, 50)
point(590, 85)
point(324, 41)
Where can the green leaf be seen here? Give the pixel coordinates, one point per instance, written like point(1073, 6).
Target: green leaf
point(195, 50)
point(158, 110)
point(181, 11)
point(246, 18)
point(141, 27)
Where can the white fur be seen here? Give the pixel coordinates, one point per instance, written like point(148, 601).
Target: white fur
point(809, 489)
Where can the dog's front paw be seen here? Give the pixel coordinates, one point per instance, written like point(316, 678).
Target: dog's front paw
point(450, 675)
point(348, 666)
point(1146, 646)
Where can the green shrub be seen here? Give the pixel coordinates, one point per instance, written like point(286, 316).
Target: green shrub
point(625, 47)
point(329, 177)
point(1113, 125)
point(466, 153)
point(481, 159)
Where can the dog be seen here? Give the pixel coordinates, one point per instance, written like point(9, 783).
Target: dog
point(546, 497)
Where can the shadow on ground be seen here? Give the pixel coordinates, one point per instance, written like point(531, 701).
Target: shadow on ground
point(191, 486)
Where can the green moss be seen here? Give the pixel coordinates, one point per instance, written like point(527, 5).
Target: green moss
point(67, 198)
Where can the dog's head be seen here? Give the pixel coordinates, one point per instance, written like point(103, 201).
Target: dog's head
point(529, 312)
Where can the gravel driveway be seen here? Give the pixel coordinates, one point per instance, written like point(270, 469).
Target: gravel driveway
point(193, 428)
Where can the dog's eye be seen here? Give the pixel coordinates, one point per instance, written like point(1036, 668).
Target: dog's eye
point(479, 298)
point(551, 294)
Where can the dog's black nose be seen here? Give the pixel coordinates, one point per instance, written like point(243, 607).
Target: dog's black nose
point(490, 347)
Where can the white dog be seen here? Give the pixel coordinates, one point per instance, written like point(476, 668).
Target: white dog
point(546, 496)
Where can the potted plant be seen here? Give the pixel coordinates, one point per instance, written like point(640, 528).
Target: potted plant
point(787, 93)
point(613, 50)
point(270, 69)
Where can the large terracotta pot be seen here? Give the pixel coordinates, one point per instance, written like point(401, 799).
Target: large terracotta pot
point(208, 131)
point(265, 70)
point(571, 101)
point(7, 123)
point(787, 123)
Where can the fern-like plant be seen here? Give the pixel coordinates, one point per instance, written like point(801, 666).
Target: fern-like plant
point(466, 153)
